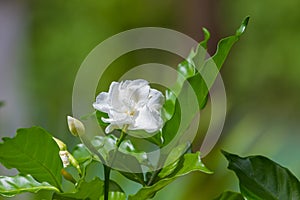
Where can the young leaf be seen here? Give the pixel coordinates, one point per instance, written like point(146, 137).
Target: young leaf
point(261, 178)
point(190, 162)
point(33, 151)
point(186, 69)
point(86, 190)
point(10, 186)
point(230, 196)
point(200, 86)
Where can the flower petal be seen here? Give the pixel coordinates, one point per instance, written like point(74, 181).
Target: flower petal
point(156, 100)
point(102, 102)
point(147, 120)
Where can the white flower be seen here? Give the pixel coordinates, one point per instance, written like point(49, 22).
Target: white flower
point(133, 104)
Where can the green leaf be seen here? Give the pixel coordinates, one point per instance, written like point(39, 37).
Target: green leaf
point(188, 163)
point(127, 160)
point(230, 196)
point(10, 186)
point(86, 190)
point(105, 144)
point(195, 79)
point(172, 160)
point(261, 178)
point(84, 157)
point(99, 116)
point(1, 103)
point(33, 151)
point(186, 69)
point(115, 196)
point(81, 153)
point(128, 148)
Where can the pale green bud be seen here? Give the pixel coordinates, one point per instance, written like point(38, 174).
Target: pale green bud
point(76, 127)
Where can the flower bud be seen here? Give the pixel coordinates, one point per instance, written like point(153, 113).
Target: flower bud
point(64, 156)
point(62, 146)
point(76, 127)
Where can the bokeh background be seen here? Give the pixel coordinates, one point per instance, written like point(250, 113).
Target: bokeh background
point(42, 44)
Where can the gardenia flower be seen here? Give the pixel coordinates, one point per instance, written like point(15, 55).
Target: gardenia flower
point(133, 104)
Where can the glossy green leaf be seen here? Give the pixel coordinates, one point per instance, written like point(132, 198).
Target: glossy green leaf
point(172, 160)
point(230, 196)
point(261, 178)
point(115, 196)
point(186, 69)
point(10, 186)
point(86, 190)
point(188, 163)
point(196, 84)
point(33, 151)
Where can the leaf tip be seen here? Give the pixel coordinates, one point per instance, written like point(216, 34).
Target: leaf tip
point(243, 26)
point(206, 33)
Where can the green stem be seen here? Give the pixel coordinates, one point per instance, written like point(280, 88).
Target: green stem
point(122, 137)
point(107, 169)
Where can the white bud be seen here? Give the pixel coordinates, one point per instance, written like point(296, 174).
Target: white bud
point(64, 156)
point(76, 127)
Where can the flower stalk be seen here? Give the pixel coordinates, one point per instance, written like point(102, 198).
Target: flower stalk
point(107, 169)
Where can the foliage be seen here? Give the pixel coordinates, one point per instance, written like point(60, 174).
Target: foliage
point(262, 178)
point(35, 154)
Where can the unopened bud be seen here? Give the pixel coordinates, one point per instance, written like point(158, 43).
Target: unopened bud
point(64, 156)
point(62, 146)
point(76, 127)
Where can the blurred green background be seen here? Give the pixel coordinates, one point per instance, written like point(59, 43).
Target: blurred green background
point(43, 43)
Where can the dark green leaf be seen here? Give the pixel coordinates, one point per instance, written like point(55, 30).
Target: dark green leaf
point(230, 196)
point(10, 186)
point(33, 151)
point(114, 187)
point(86, 190)
point(261, 178)
point(189, 163)
point(99, 116)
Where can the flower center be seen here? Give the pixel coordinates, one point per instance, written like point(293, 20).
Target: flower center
point(130, 113)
